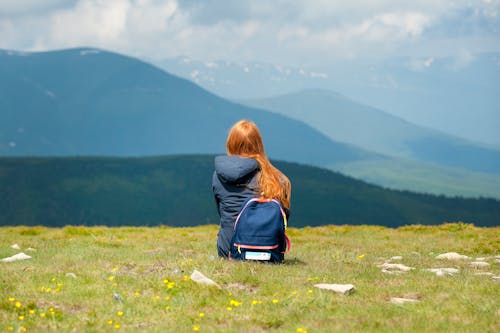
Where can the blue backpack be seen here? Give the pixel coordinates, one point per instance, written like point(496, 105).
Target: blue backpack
point(260, 231)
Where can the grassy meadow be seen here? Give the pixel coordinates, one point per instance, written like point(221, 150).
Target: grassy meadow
point(101, 279)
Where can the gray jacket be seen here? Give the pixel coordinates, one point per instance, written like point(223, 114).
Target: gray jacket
point(234, 180)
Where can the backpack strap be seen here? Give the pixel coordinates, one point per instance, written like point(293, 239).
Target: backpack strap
point(288, 242)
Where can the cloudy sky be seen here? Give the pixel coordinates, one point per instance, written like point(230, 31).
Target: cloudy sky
point(289, 32)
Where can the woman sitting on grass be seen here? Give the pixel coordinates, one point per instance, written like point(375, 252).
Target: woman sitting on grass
point(243, 173)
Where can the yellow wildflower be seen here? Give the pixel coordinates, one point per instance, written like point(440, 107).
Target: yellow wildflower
point(52, 310)
point(115, 269)
point(111, 277)
point(110, 322)
point(53, 279)
point(167, 308)
point(42, 315)
point(18, 304)
point(22, 328)
point(275, 301)
point(235, 303)
point(31, 311)
point(165, 281)
point(310, 291)
point(11, 299)
point(137, 293)
point(10, 328)
point(119, 313)
point(229, 308)
point(196, 328)
point(21, 317)
point(117, 326)
point(361, 256)
point(294, 292)
point(202, 314)
point(48, 290)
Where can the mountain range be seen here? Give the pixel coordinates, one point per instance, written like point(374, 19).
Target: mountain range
point(90, 102)
point(456, 95)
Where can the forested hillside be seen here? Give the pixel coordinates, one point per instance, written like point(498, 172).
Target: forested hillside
point(176, 190)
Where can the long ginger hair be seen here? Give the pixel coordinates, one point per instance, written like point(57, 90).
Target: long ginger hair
point(244, 139)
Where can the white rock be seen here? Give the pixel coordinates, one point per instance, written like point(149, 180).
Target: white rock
point(198, 277)
point(481, 259)
point(452, 256)
point(15, 247)
point(396, 258)
point(391, 272)
point(71, 274)
point(484, 273)
point(399, 300)
point(399, 267)
point(443, 271)
point(30, 249)
point(16, 257)
point(496, 277)
point(344, 289)
point(479, 264)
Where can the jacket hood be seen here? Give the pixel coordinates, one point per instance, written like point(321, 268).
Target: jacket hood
point(234, 169)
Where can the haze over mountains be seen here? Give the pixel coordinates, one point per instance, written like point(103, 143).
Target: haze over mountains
point(456, 95)
point(93, 102)
point(344, 120)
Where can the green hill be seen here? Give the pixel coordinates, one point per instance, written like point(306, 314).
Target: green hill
point(176, 190)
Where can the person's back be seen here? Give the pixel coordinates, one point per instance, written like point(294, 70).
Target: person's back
point(245, 172)
point(234, 180)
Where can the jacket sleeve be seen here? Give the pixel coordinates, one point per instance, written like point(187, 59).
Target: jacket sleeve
point(214, 190)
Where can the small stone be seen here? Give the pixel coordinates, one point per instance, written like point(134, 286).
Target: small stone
point(479, 264)
point(15, 247)
point(481, 259)
point(443, 271)
point(344, 289)
point(399, 267)
point(452, 256)
point(400, 300)
point(496, 278)
point(396, 258)
point(71, 275)
point(198, 277)
point(30, 249)
point(391, 272)
point(16, 257)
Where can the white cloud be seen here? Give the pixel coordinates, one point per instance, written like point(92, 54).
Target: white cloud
point(281, 31)
point(89, 22)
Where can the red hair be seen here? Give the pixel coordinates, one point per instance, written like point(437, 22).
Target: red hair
point(244, 139)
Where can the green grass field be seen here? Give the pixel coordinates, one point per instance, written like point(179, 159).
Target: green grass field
point(103, 279)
